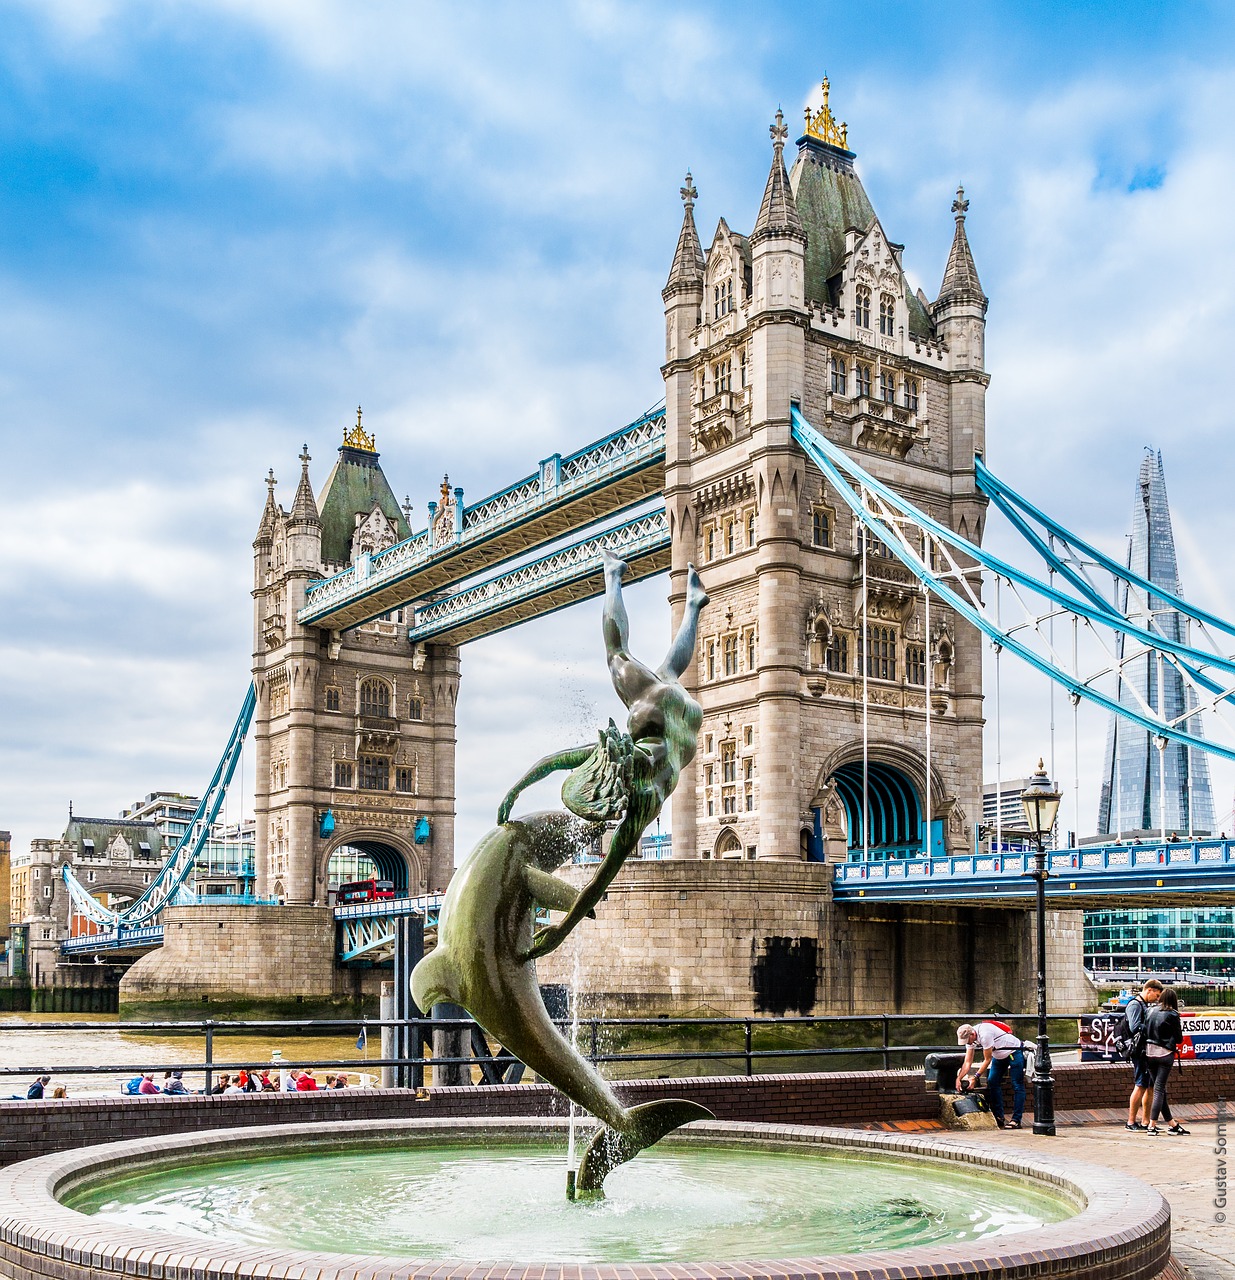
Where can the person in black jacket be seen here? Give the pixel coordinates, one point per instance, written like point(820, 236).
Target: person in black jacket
point(1164, 1035)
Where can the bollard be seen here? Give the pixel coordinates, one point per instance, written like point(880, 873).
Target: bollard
point(450, 1042)
point(386, 1011)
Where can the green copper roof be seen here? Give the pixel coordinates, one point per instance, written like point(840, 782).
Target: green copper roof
point(831, 199)
point(355, 485)
point(100, 832)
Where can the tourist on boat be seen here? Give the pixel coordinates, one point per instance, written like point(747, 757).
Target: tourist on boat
point(173, 1082)
point(291, 1082)
point(266, 1084)
point(306, 1083)
point(1163, 1037)
point(37, 1087)
point(221, 1085)
point(60, 1091)
point(148, 1085)
point(337, 1082)
point(236, 1086)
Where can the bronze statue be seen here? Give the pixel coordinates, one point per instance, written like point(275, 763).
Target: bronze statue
point(485, 954)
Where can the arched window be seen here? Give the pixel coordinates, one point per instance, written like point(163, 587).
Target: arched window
point(887, 314)
point(375, 698)
point(915, 663)
point(731, 543)
point(887, 386)
point(752, 654)
point(728, 845)
point(415, 707)
point(731, 655)
point(863, 374)
point(821, 527)
point(911, 394)
point(840, 377)
point(862, 312)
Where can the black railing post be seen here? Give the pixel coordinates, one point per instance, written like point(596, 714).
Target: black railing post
point(595, 1050)
point(884, 1016)
point(750, 1066)
point(409, 949)
point(209, 1055)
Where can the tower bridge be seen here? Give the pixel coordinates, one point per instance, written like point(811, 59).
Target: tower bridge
point(818, 456)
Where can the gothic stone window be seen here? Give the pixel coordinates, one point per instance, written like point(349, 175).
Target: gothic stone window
point(821, 527)
point(742, 367)
point(911, 394)
point(836, 655)
point(728, 777)
point(722, 375)
point(750, 528)
point(405, 779)
point(709, 541)
point(748, 783)
point(840, 377)
point(731, 537)
point(343, 773)
point(887, 314)
point(862, 312)
point(887, 386)
point(711, 659)
point(333, 695)
point(752, 657)
point(731, 657)
point(375, 699)
point(415, 707)
point(881, 652)
point(915, 663)
point(374, 773)
point(862, 374)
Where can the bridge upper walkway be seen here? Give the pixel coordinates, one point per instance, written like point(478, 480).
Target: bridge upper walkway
point(561, 497)
point(1093, 877)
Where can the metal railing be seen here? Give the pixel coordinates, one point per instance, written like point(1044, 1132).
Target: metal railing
point(593, 1033)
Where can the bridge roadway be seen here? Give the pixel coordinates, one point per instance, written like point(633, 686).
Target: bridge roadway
point(563, 496)
point(1095, 877)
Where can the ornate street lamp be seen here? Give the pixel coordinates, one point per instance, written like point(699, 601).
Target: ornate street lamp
point(1041, 803)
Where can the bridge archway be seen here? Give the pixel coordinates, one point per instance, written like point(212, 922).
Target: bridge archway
point(890, 789)
point(390, 857)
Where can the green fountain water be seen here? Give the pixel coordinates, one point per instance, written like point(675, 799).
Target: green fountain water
point(505, 1203)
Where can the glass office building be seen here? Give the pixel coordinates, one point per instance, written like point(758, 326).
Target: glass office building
point(1147, 791)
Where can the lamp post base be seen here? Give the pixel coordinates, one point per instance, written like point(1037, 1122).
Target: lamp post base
point(1043, 1091)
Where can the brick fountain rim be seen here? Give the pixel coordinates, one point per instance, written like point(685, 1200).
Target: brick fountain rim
point(1121, 1229)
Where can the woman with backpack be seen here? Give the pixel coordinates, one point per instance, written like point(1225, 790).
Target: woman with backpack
point(1163, 1035)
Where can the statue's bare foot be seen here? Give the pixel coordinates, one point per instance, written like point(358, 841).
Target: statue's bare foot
point(695, 594)
point(615, 566)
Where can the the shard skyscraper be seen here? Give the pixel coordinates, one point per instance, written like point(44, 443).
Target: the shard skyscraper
point(1145, 789)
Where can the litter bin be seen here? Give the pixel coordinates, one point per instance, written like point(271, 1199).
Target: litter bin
point(942, 1070)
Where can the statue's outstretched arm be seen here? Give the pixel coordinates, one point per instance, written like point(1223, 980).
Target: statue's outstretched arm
point(643, 807)
point(569, 759)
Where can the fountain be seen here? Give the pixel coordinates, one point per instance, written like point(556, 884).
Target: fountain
point(457, 1199)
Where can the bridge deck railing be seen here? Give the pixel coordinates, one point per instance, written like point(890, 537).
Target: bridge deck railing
point(1120, 859)
point(592, 1037)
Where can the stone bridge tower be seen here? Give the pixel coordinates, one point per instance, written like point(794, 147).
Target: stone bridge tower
point(813, 307)
point(355, 731)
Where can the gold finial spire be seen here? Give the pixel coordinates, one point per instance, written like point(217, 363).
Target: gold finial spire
point(822, 124)
point(445, 490)
point(359, 438)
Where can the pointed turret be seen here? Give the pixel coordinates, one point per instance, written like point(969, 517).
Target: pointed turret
point(354, 489)
point(304, 508)
point(778, 214)
point(960, 277)
point(687, 269)
point(270, 513)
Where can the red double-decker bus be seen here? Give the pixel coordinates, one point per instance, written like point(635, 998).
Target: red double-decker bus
point(364, 891)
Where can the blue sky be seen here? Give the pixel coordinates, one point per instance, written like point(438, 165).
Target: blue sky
point(224, 223)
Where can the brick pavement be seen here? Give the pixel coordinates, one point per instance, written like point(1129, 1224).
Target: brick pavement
point(1182, 1169)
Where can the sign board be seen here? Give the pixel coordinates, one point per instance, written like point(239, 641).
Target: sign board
point(1206, 1035)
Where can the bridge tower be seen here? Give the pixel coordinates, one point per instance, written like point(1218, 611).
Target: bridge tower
point(354, 730)
point(813, 307)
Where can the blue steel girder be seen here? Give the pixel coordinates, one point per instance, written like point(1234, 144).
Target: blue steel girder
point(1184, 873)
point(564, 495)
point(366, 929)
point(175, 871)
point(907, 532)
point(553, 582)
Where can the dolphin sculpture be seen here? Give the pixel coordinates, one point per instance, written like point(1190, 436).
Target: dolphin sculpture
point(483, 961)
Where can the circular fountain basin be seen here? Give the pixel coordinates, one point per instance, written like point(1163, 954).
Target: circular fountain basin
point(466, 1198)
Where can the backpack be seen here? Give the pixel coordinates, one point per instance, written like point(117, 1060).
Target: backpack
point(133, 1086)
point(1130, 1044)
